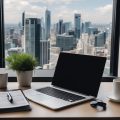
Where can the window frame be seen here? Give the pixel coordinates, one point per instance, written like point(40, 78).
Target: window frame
point(114, 45)
point(115, 38)
point(2, 52)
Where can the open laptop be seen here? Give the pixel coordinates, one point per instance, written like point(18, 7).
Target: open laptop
point(76, 79)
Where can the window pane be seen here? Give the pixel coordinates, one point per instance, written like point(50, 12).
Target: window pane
point(43, 28)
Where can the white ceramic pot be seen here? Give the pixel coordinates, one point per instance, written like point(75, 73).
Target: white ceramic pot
point(24, 78)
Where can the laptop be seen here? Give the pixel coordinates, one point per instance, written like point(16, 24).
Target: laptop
point(76, 79)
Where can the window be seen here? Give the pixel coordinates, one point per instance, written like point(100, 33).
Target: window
point(44, 28)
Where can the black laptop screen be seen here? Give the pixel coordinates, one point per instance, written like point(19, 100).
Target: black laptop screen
point(79, 73)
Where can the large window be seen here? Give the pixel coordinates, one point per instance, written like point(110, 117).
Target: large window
point(43, 28)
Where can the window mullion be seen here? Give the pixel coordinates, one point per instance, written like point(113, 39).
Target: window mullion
point(2, 49)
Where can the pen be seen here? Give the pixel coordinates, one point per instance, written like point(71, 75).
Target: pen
point(9, 97)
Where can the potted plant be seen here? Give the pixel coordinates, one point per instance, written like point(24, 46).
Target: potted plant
point(23, 64)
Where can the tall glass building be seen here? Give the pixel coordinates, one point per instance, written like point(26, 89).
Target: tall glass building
point(66, 42)
point(32, 35)
point(60, 26)
point(44, 52)
point(100, 39)
point(77, 25)
point(47, 23)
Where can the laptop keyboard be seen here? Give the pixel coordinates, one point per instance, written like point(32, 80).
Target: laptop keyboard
point(60, 94)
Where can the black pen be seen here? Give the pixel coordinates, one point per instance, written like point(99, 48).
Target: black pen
point(9, 96)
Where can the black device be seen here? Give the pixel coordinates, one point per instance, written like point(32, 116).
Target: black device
point(76, 79)
point(79, 73)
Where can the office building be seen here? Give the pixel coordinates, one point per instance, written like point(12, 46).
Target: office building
point(43, 35)
point(60, 27)
point(12, 30)
point(83, 28)
point(15, 42)
point(77, 19)
point(44, 52)
point(100, 39)
point(56, 28)
point(86, 27)
point(32, 36)
point(47, 23)
point(71, 32)
point(66, 42)
point(23, 20)
point(92, 30)
point(66, 27)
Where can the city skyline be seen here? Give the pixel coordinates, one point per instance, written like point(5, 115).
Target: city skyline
point(35, 32)
point(62, 9)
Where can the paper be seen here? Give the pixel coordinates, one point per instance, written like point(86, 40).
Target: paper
point(18, 99)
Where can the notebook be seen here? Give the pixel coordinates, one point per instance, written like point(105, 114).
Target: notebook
point(76, 79)
point(14, 100)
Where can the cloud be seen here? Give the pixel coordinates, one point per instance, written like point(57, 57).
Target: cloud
point(54, 2)
point(105, 9)
point(60, 9)
point(13, 10)
point(65, 13)
point(24, 3)
point(68, 1)
point(47, 2)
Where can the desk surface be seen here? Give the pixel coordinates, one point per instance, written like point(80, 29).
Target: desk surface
point(81, 110)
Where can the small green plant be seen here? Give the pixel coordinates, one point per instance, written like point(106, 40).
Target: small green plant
point(21, 62)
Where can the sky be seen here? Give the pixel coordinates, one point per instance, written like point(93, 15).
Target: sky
point(96, 11)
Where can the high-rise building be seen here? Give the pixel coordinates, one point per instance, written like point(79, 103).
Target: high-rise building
point(83, 28)
point(23, 20)
point(86, 26)
point(100, 39)
point(66, 42)
point(12, 33)
point(77, 19)
point(60, 26)
point(47, 24)
point(92, 30)
point(44, 52)
point(32, 37)
point(66, 27)
point(43, 36)
point(56, 28)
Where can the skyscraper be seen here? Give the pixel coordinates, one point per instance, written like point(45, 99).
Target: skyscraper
point(23, 20)
point(60, 26)
point(92, 30)
point(66, 42)
point(86, 26)
point(43, 36)
point(56, 28)
point(100, 39)
point(44, 52)
point(83, 28)
point(32, 37)
point(77, 19)
point(66, 27)
point(12, 30)
point(47, 23)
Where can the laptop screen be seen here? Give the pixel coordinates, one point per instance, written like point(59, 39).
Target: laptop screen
point(79, 73)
